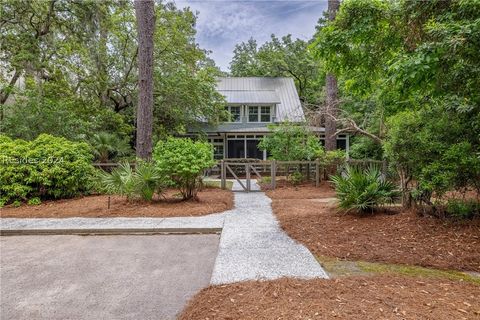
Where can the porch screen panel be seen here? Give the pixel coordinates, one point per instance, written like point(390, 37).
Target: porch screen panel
point(236, 148)
point(253, 151)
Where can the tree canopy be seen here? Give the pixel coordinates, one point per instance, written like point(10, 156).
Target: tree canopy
point(75, 66)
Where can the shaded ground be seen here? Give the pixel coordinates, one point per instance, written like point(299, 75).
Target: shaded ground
point(379, 297)
point(103, 277)
point(285, 190)
point(403, 238)
point(210, 201)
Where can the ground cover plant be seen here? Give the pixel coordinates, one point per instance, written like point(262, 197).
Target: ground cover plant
point(45, 168)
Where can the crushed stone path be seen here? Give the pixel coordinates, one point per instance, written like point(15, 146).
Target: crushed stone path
point(252, 244)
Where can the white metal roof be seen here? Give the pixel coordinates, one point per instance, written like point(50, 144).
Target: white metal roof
point(257, 89)
point(251, 96)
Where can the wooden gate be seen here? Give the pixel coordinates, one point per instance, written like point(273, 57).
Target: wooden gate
point(249, 168)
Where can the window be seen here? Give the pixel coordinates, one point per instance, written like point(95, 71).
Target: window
point(218, 152)
point(265, 114)
point(234, 113)
point(217, 148)
point(253, 114)
point(259, 114)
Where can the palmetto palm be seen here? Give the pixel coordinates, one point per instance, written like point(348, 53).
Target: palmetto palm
point(363, 190)
point(106, 146)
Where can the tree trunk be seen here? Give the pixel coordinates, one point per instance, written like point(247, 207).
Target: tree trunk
point(145, 14)
point(331, 92)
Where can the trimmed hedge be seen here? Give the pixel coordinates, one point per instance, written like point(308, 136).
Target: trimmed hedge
point(47, 167)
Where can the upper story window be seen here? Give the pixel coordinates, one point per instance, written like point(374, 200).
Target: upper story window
point(235, 113)
point(259, 114)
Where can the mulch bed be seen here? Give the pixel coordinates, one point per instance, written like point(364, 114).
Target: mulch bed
point(379, 297)
point(285, 190)
point(209, 201)
point(403, 237)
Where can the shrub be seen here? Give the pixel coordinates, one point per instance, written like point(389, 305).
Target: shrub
point(363, 190)
point(34, 201)
point(296, 178)
point(334, 157)
point(183, 161)
point(290, 142)
point(47, 167)
point(143, 182)
point(462, 209)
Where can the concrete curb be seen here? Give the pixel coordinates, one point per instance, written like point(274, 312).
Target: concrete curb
point(113, 231)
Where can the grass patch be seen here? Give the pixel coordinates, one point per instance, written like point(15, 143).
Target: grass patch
point(343, 268)
point(210, 183)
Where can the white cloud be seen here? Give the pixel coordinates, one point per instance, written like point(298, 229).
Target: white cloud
point(222, 24)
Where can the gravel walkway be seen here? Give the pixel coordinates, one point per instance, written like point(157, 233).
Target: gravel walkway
point(252, 244)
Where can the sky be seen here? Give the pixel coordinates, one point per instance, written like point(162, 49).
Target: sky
point(221, 23)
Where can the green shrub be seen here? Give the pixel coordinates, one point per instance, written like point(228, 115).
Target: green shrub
point(143, 182)
point(265, 180)
point(296, 178)
point(289, 142)
point(462, 209)
point(47, 167)
point(363, 190)
point(183, 161)
point(34, 201)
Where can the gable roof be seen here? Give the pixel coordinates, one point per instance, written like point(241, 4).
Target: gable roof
point(271, 90)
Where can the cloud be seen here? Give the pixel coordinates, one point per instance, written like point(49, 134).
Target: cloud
point(222, 24)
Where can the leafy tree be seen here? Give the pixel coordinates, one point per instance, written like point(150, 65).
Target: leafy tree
point(245, 62)
point(408, 73)
point(79, 58)
point(283, 57)
point(289, 142)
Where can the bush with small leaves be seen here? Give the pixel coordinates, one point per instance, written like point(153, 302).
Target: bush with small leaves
point(183, 162)
point(462, 209)
point(296, 178)
point(34, 201)
point(47, 167)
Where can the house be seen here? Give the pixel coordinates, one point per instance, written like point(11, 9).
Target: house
point(254, 103)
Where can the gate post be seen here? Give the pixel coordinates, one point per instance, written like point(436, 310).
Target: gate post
point(273, 174)
point(223, 175)
point(247, 171)
point(317, 173)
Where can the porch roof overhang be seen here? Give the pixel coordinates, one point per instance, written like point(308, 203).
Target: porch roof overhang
point(251, 96)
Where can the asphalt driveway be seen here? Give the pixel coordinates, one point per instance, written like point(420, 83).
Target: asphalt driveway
point(103, 277)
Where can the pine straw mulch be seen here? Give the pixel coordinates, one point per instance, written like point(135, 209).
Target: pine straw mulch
point(379, 297)
point(393, 236)
point(209, 201)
